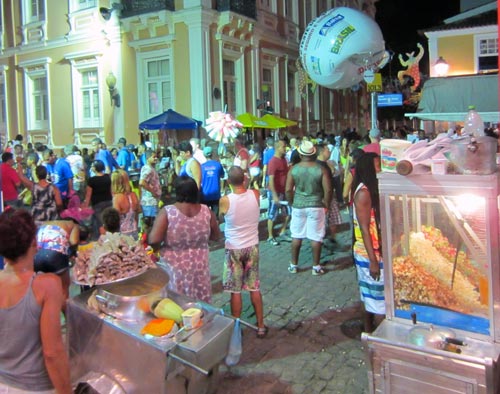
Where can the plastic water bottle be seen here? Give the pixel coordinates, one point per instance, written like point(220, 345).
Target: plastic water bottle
point(473, 124)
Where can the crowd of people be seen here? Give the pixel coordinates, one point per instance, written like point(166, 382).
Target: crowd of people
point(174, 200)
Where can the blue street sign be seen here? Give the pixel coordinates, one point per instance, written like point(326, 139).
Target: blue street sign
point(389, 100)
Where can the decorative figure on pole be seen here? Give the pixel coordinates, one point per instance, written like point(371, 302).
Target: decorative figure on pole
point(412, 69)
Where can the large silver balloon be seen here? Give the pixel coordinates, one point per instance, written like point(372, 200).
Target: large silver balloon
point(339, 45)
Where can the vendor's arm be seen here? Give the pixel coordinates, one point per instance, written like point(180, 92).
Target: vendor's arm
point(363, 205)
point(48, 290)
point(159, 230)
point(215, 233)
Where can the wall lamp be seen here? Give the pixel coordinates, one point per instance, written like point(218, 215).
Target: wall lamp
point(441, 67)
point(113, 92)
point(106, 12)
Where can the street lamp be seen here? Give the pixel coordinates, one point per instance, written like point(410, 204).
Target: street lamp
point(441, 67)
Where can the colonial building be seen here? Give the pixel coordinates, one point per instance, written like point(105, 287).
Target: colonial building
point(74, 69)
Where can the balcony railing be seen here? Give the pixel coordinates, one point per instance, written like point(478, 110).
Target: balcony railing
point(246, 8)
point(137, 7)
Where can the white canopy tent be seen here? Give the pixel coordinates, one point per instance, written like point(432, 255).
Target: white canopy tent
point(447, 99)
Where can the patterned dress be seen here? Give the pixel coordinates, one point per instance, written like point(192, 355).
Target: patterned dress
point(44, 203)
point(186, 253)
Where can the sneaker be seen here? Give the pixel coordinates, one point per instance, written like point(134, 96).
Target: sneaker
point(285, 238)
point(273, 241)
point(292, 268)
point(317, 271)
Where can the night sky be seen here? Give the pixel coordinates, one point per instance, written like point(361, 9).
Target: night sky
point(400, 21)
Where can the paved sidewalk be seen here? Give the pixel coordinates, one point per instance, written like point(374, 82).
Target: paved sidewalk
point(313, 345)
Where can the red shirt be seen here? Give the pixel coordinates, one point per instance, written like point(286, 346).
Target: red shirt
point(10, 182)
point(278, 167)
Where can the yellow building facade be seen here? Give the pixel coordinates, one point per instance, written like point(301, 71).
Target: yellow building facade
point(71, 70)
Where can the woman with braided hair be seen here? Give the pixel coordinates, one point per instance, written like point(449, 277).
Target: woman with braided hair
point(367, 251)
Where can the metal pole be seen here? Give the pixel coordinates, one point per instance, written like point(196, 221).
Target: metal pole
point(373, 111)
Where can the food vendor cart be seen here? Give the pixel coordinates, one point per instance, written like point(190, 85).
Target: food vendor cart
point(440, 240)
point(109, 354)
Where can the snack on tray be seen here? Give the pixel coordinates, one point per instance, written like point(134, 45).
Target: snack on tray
point(168, 309)
point(438, 271)
point(114, 256)
point(442, 244)
point(413, 284)
point(158, 327)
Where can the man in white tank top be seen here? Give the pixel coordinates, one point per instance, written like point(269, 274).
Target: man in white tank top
point(241, 212)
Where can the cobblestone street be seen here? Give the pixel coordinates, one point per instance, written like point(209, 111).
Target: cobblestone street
point(313, 345)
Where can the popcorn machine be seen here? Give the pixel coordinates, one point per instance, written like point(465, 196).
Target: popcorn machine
point(440, 245)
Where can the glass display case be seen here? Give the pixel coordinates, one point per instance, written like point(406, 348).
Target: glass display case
point(440, 238)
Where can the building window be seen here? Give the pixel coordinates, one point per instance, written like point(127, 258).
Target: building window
point(487, 54)
point(87, 95)
point(229, 85)
point(89, 103)
point(38, 101)
point(33, 11)
point(158, 85)
point(77, 5)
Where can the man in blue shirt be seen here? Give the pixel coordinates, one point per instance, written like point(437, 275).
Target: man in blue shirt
point(211, 179)
point(60, 174)
point(104, 156)
point(123, 157)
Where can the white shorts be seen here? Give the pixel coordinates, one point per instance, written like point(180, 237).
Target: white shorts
point(308, 223)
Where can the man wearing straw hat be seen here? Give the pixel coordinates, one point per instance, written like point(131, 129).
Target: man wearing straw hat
point(309, 192)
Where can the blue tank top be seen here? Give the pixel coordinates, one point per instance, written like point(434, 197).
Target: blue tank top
point(21, 357)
